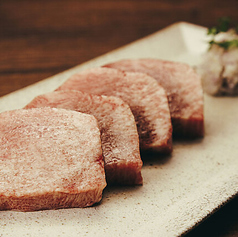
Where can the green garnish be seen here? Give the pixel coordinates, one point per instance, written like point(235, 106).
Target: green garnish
point(225, 44)
point(224, 25)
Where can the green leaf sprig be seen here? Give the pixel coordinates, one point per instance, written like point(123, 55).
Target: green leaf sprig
point(225, 44)
point(224, 24)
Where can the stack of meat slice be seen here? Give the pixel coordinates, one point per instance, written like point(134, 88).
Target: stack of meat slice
point(147, 100)
point(183, 87)
point(63, 148)
point(49, 158)
point(120, 142)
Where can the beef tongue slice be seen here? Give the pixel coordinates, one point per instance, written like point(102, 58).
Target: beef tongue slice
point(120, 142)
point(49, 158)
point(147, 100)
point(183, 87)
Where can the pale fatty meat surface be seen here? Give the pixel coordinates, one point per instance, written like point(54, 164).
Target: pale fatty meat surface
point(50, 158)
point(120, 141)
point(183, 87)
point(147, 100)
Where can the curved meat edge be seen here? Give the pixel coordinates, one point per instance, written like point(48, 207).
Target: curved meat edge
point(147, 100)
point(120, 141)
point(50, 159)
point(183, 87)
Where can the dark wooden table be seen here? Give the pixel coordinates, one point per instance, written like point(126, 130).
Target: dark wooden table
point(39, 38)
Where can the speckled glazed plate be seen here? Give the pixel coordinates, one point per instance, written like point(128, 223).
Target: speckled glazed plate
point(179, 191)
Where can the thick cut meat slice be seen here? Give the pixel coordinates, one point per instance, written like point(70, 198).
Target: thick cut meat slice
point(183, 87)
point(147, 100)
point(120, 142)
point(49, 158)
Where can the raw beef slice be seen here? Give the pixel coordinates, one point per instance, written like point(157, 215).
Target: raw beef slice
point(120, 142)
point(49, 159)
point(147, 100)
point(183, 87)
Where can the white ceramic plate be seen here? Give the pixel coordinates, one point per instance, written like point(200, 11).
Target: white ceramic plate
point(178, 191)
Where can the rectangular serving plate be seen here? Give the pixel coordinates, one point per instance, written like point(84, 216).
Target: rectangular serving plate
point(179, 191)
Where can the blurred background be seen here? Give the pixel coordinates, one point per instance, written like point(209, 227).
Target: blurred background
point(39, 38)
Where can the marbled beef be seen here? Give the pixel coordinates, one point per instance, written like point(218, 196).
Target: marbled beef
point(183, 87)
point(147, 100)
point(49, 158)
point(120, 142)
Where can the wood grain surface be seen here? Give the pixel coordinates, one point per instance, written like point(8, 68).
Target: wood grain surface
point(41, 38)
